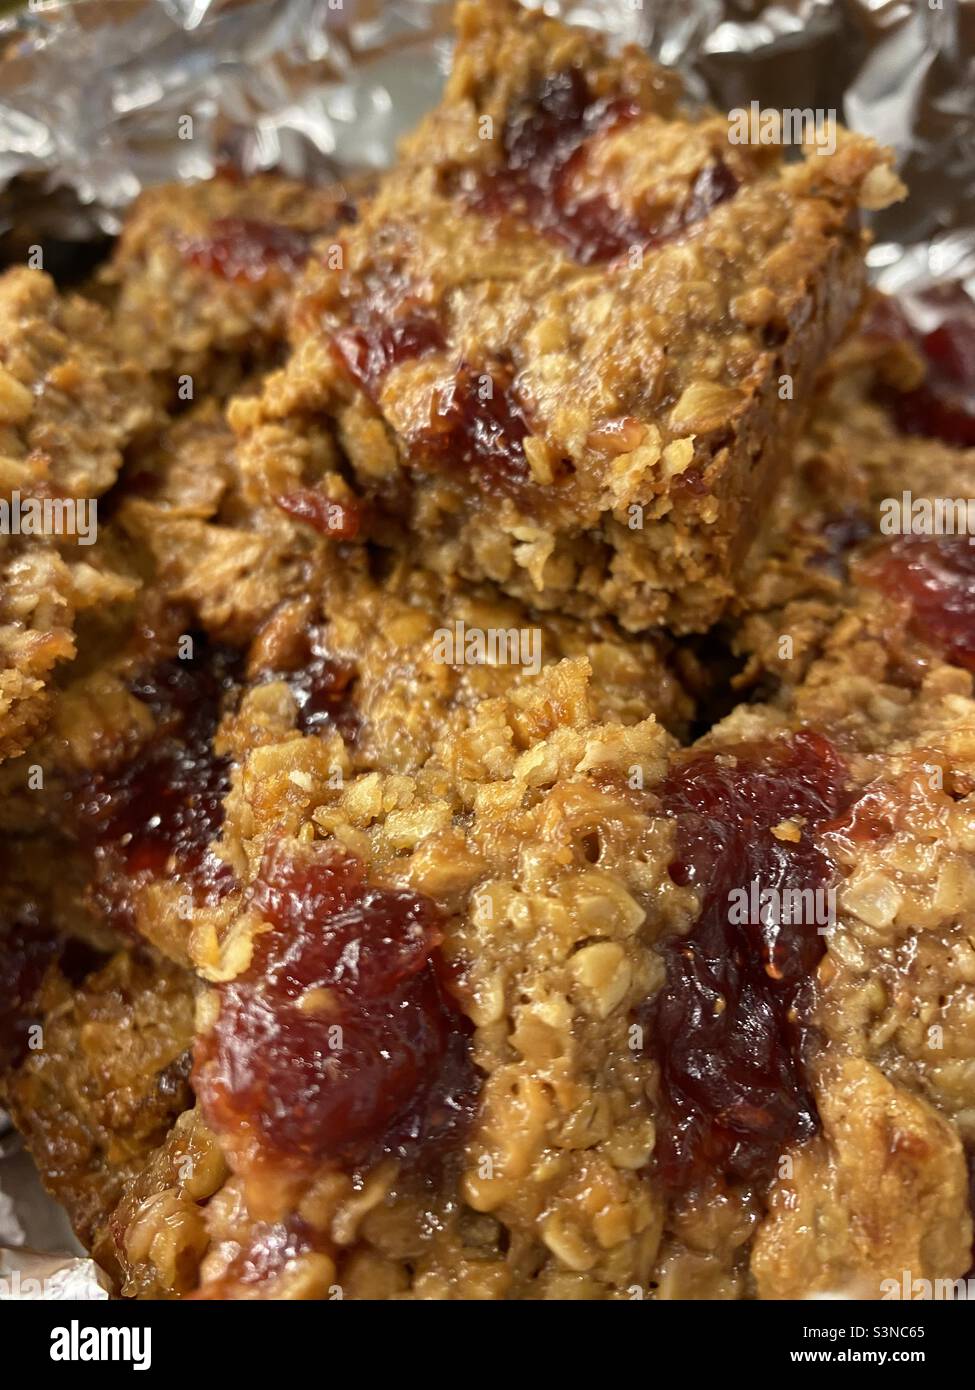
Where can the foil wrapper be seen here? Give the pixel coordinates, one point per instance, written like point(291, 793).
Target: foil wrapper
point(94, 96)
point(39, 1256)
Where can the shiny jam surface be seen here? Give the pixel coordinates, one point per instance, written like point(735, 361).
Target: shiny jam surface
point(247, 251)
point(935, 576)
point(726, 1028)
point(545, 142)
point(339, 1041)
point(155, 815)
point(943, 406)
point(479, 425)
point(389, 323)
point(323, 686)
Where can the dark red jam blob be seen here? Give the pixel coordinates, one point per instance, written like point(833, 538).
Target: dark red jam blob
point(943, 406)
point(339, 1040)
point(545, 143)
point(156, 815)
point(389, 323)
point(713, 184)
point(478, 425)
point(935, 575)
point(340, 520)
point(371, 349)
point(27, 951)
point(323, 686)
point(543, 132)
point(726, 1027)
point(247, 251)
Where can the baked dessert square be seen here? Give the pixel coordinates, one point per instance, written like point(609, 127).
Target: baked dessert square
point(425, 924)
point(572, 337)
point(561, 1066)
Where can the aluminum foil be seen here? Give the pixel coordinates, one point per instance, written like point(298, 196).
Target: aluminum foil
point(39, 1256)
point(94, 96)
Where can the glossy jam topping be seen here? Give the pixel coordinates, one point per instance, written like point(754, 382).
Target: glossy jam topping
point(943, 406)
point(323, 686)
point(339, 1041)
point(247, 251)
point(340, 520)
point(726, 1028)
point(478, 425)
point(935, 575)
point(389, 323)
point(545, 144)
point(155, 815)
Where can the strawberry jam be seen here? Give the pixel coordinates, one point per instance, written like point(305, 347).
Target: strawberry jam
point(339, 1040)
point(943, 406)
point(935, 576)
point(726, 1027)
point(246, 251)
point(323, 686)
point(545, 144)
point(389, 323)
point(155, 815)
point(479, 425)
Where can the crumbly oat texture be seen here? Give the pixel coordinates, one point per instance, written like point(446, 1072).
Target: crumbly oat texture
point(70, 407)
point(200, 278)
point(417, 935)
point(570, 342)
